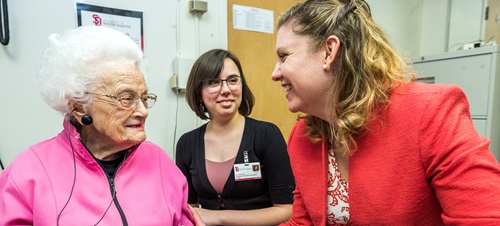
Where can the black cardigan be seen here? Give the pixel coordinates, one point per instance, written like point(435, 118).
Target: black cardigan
point(265, 144)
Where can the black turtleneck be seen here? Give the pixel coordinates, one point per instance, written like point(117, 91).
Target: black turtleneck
point(110, 166)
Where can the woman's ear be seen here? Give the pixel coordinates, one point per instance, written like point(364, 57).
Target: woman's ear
point(332, 45)
point(76, 109)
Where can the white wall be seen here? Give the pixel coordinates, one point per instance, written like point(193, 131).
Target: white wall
point(422, 27)
point(448, 24)
point(401, 21)
point(434, 31)
point(25, 119)
point(466, 15)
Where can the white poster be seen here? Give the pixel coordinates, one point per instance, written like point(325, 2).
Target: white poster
point(253, 19)
point(126, 21)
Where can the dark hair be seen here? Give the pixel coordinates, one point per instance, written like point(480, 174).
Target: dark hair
point(209, 66)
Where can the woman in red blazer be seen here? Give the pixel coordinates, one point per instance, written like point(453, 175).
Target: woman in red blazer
point(376, 147)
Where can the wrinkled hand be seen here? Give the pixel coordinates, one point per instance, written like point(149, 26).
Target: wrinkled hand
point(197, 219)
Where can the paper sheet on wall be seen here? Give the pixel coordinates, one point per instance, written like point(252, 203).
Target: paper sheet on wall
point(253, 19)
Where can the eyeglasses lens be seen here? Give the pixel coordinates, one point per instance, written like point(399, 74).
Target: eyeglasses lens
point(128, 99)
point(215, 85)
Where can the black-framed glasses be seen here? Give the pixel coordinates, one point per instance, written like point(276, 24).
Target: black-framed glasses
point(215, 85)
point(129, 99)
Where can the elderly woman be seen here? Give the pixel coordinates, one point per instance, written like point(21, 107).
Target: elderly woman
point(99, 169)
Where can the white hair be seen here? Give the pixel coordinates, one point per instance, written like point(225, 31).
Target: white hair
point(75, 62)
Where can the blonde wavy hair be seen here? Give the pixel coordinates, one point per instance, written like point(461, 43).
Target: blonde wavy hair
point(366, 68)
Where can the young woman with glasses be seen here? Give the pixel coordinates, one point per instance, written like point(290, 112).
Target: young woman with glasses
point(237, 167)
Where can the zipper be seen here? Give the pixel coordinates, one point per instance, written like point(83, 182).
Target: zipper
point(115, 200)
point(111, 181)
point(112, 184)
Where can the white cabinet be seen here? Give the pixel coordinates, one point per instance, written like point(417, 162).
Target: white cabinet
point(477, 72)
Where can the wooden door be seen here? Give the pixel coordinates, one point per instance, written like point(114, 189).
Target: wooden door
point(493, 21)
point(256, 51)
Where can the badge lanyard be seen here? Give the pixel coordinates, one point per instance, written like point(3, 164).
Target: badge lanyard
point(245, 156)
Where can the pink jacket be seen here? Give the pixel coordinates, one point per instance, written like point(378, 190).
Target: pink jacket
point(421, 162)
point(150, 189)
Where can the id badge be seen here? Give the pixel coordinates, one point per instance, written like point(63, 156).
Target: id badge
point(247, 171)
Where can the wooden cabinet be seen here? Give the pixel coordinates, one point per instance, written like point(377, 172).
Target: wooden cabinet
point(477, 72)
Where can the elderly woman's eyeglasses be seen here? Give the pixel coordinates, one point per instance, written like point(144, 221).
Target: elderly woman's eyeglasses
point(215, 85)
point(129, 99)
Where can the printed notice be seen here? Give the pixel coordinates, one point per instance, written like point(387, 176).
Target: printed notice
point(253, 19)
point(126, 21)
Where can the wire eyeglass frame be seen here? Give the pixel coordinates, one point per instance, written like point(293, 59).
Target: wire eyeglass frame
point(129, 99)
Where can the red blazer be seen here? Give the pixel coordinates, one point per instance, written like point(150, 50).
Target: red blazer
point(420, 162)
